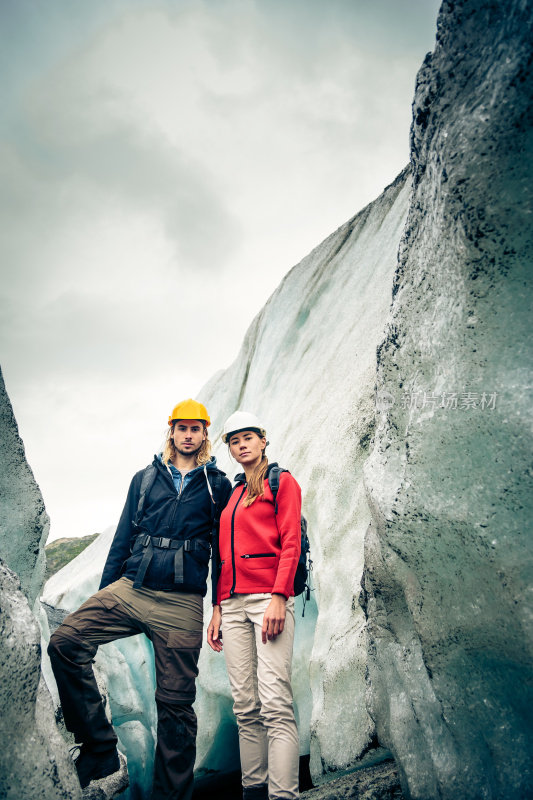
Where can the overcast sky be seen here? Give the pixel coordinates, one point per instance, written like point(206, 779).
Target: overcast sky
point(163, 165)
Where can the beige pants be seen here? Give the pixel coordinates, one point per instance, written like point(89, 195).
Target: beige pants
point(260, 677)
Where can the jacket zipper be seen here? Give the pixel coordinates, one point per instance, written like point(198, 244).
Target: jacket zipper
point(232, 590)
point(177, 501)
point(259, 555)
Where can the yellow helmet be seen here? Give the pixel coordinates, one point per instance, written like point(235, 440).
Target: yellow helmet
point(189, 409)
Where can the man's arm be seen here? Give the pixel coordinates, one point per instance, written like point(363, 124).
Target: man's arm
point(120, 547)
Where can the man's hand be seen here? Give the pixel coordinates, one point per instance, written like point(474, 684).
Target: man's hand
point(214, 634)
point(274, 619)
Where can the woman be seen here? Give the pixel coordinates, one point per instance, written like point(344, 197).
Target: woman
point(259, 547)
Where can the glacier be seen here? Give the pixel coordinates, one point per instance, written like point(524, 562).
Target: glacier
point(448, 554)
point(325, 655)
point(392, 368)
point(307, 368)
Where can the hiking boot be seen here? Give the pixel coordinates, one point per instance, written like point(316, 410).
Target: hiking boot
point(91, 766)
point(257, 792)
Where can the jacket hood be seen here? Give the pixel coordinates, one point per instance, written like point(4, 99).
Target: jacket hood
point(210, 466)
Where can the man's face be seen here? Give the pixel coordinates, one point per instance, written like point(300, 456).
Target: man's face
point(188, 436)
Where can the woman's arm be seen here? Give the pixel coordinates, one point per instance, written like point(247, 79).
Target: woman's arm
point(288, 521)
point(289, 499)
point(225, 496)
point(214, 633)
point(274, 618)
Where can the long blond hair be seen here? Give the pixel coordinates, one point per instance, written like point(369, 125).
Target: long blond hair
point(256, 486)
point(203, 456)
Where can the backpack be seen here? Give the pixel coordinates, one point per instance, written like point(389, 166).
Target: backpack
point(302, 578)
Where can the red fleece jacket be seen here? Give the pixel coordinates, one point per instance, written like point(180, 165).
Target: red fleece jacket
point(258, 549)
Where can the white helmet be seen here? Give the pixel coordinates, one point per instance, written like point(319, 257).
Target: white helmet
point(241, 421)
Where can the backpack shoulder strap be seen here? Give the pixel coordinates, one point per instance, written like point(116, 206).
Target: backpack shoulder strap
point(273, 482)
point(147, 482)
point(214, 490)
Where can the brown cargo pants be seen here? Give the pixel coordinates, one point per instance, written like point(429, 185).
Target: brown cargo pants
point(173, 621)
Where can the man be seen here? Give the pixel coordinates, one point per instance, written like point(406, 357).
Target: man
point(153, 582)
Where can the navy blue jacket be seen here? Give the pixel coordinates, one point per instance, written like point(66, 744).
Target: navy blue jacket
point(189, 515)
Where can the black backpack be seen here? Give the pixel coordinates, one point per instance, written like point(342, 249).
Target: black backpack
point(302, 578)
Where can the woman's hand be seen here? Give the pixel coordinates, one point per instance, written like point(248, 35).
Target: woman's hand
point(214, 634)
point(274, 619)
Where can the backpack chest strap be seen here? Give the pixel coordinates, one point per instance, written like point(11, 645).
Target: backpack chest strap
point(149, 542)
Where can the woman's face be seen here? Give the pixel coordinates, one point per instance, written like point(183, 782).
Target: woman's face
point(247, 447)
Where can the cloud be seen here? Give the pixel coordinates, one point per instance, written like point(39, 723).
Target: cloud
point(58, 164)
point(166, 163)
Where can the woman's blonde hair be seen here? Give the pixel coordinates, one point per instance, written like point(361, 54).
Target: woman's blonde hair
point(256, 486)
point(203, 456)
